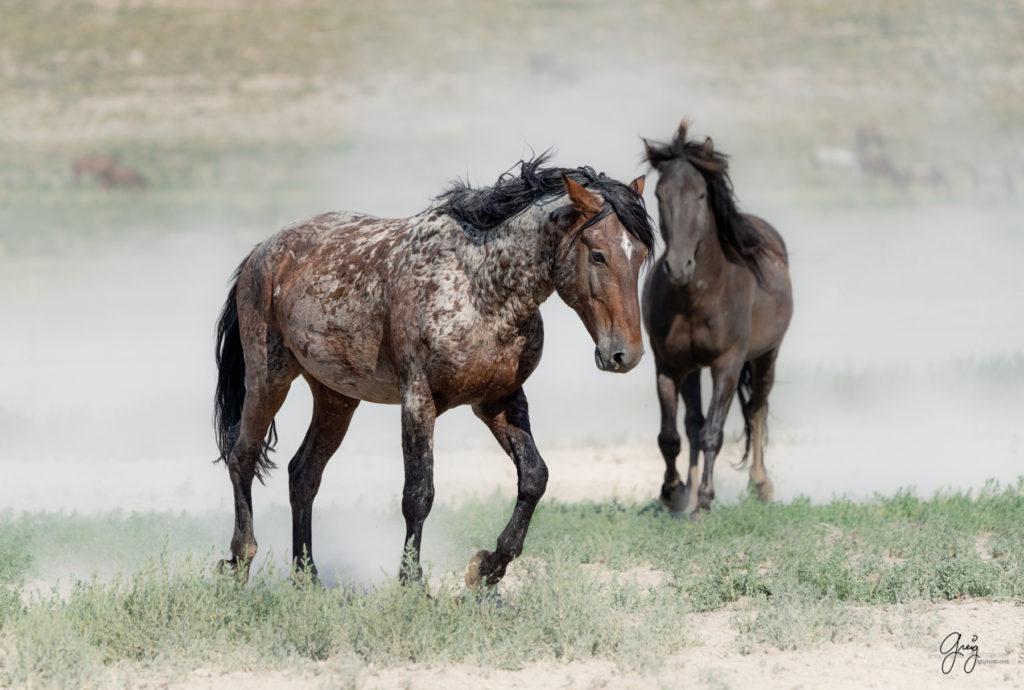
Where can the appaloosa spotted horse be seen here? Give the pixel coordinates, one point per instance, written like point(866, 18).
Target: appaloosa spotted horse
point(428, 312)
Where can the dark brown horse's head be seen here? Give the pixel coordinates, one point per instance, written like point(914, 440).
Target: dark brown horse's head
point(685, 217)
point(696, 204)
point(596, 273)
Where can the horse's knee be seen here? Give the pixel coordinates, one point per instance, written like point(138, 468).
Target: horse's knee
point(417, 501)
point(710, 440)
point(670, 443)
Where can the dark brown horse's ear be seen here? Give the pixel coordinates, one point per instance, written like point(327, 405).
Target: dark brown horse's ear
point(684, 125)
point(637, 185)
point(647, 149)
point(709, 146)
point(582, 199)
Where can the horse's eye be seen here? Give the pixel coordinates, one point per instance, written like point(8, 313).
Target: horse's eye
point(703, 194)
point(598, 258)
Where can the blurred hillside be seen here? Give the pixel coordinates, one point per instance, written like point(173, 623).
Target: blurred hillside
point(905, 349)
point(246, 109)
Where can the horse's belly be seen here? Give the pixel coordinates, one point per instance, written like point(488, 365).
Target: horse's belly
point(341, 376)
point(369, 390)
point(349, 361)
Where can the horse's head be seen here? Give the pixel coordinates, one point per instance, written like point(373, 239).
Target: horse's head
point(685, 217)
point(596, 273)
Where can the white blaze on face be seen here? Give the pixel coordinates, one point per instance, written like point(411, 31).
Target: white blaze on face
point(627, 244)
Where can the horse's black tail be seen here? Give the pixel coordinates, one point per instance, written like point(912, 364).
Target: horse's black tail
point(744, 391)
point(230, 395)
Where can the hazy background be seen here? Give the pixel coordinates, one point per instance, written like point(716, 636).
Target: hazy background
point(903, 366)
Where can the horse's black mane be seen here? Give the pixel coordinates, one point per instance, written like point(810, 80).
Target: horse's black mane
point(741, 241)
point(485, 208)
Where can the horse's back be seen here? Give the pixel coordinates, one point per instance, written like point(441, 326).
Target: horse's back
point(772, 307)
point(776, 244)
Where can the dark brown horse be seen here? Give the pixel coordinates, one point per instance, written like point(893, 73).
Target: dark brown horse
point(719, 297)
point(428, 312)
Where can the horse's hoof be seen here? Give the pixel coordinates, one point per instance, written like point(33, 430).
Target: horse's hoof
point(474, 571)
point(765, 491)
point(232, 569)
point(674, 499)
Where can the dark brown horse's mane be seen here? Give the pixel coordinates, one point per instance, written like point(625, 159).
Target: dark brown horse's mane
point(741, 241)
point(485, 208)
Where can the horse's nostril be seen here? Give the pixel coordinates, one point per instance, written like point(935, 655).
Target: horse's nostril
point(619, 357)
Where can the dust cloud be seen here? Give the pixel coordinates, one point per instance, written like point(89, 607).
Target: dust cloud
point(902, 366)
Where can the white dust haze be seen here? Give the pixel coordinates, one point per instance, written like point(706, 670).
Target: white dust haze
point(897, 371)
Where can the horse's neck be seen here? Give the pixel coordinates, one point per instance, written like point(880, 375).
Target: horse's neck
point(510, 268)
point(710, 257)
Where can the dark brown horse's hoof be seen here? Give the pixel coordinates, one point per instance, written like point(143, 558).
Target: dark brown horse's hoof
point(674, 499)
point(474, 570)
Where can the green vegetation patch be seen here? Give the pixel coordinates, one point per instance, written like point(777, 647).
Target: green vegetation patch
point(598, 580)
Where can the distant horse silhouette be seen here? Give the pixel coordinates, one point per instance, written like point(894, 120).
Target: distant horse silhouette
point(92, 165)
point(119, 175)
point(428, 312)
point(108, 171)
point(719, 297)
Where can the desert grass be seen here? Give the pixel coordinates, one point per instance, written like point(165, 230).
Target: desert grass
point(793, 575)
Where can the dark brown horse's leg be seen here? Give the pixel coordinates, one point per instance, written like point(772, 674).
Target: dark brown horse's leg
point(418, 416)
point(673, 490)
point(332, 413)
point(261, 404)
point(509, 421)
point(725, 375)
point(694, 422)
point(763, 376)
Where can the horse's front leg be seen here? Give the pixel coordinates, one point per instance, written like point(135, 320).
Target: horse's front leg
point(418, 415)
point(509, 421)
point(725, 376)
point(673, 490)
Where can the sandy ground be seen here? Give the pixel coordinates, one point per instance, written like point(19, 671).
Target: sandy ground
point(628, 472)
point(715, 662)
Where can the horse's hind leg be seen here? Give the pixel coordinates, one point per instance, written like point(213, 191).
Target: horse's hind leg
point(763, 376)
point(269, 370)
point(509, 421)
point(418, 416)
point(257, 414)
point(332, 413)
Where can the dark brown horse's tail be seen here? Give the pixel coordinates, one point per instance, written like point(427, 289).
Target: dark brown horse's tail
point(230, 395)
point(744, 390)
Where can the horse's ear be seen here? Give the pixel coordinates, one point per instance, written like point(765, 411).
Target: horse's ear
point(709, 146)
point(637, 185)
point(582, 199)
point(647, 150)
point(684, 125)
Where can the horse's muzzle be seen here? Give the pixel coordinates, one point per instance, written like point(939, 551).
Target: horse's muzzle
point(615, 359)
point(680, 275)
